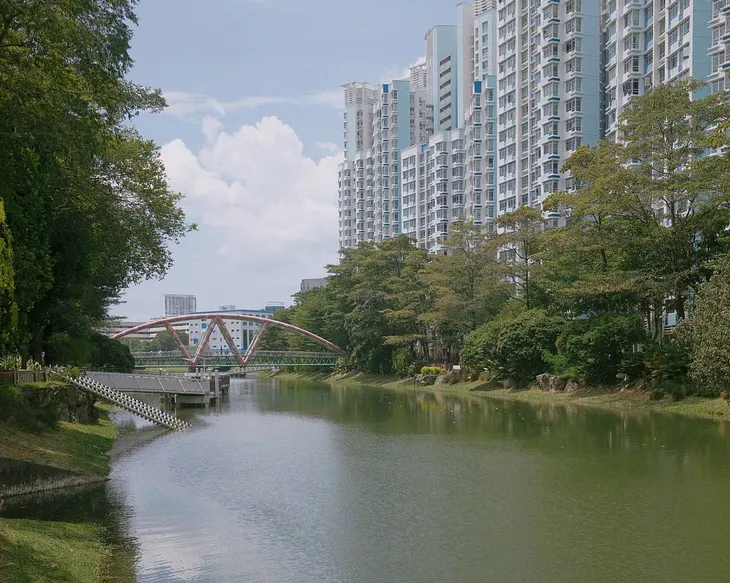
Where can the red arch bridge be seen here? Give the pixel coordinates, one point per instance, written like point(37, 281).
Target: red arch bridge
point(249, 359)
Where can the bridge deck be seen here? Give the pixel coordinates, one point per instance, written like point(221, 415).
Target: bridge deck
point(260, 358)
point(135, 383)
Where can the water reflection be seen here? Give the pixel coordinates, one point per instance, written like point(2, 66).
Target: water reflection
point(299, 482)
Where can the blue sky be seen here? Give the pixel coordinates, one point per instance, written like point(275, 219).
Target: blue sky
point(253, 131)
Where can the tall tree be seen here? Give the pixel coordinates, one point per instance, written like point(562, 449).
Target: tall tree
point(518, 245)
point(650, 212)
point(465, 290)
point(8, 307)
point(86, 197)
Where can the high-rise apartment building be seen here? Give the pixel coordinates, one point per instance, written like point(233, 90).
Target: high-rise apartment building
point(442, 77)
point(719, 51)
point(660, 41)
point(358, 138)
point(505, 97)
point(179, 305)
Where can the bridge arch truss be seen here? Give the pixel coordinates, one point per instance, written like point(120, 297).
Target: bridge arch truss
point(217, 320)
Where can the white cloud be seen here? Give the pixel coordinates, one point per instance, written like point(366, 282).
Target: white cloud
point(184, 105)
point(397, 73)
point(328, 147)
point(266, 212)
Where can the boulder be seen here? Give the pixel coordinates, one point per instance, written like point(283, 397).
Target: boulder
point(571, 387)
point(551, 383)
point(543, 381)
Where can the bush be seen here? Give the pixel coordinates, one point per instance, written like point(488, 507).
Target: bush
point(432, 370)
point(480, 347)
point(664, 367)
point(22, 407)
point(451, 378)
point(523, 342)
point(596, 346)
point(110, 355)
point(404, 363)
point(708, 333)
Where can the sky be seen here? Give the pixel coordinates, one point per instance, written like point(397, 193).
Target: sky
point(253, 132)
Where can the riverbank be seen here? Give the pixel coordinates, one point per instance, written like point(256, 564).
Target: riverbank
point(600, 398)
point(35, 551)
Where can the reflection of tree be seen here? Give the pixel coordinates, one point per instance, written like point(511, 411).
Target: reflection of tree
point(547, 427)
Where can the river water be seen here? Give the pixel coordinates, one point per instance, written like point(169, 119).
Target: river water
point(299, 482)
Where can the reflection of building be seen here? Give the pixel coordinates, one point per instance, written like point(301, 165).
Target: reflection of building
point(178, 305)
point(241, 332)
point(308, 284)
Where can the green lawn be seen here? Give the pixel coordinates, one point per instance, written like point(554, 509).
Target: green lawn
point(50, 552)
point(73, 446)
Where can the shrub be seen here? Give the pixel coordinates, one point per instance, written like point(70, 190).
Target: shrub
point(708, 333)
point(111, 355)
point(432, 370)
point(664, 367)
point(596, 346)
point(405, 363)
point(523, 342)
point(480, 347)
point(26, 409)
point(451, 378)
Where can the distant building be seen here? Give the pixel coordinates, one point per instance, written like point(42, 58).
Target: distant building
point(241, 332)
point(227, 308)
point(179, 305)
point(308, 284)
point(116, 325)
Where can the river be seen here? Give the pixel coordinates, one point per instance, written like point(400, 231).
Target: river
point(300, 482)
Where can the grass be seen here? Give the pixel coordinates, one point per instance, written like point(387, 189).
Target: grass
point(602, 398)
point(50, 552)
point(38, 552)
point(73, 446)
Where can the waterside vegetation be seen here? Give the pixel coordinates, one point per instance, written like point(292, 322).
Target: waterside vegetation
point(644, 236)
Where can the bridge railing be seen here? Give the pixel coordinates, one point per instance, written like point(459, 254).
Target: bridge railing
point(258, 358)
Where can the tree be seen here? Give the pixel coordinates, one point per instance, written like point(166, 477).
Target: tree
point(652, 211)
point(518, 246)
point(465, 290)
point(111, 355)
point(166, 343)
point(86, 197)
point(8, 307)
point(708, 333)
point(596, 346)
point(522, 344)
point(377, 297)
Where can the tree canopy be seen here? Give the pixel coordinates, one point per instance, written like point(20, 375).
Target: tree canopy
point(86, 198)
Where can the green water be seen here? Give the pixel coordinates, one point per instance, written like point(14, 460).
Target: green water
point(299, 482)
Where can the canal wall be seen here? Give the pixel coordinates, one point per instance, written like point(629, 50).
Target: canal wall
point(19, 477)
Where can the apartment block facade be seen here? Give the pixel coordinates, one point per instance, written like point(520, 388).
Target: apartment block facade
point(513, 89)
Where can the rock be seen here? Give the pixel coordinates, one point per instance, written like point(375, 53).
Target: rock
point(571, 387)
point(558, 384)
point(551, 383)
point(73, 405)
point(543, 381)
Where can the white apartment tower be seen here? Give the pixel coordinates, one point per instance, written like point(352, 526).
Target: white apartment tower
point(653, 42)
point(442, 75)
point(402, 117)
point(503, 99)
point(358, 127)
point(719, 51)
point(548, 88)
